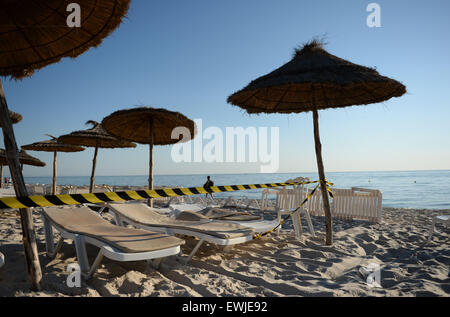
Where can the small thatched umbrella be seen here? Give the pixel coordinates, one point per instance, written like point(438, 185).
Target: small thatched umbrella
point(313, 80)
point(146, 125)
point(34, 34)
point(14, 116)
point(27, 159)
point(53, 146)
point(95, 137)
point(24, 158)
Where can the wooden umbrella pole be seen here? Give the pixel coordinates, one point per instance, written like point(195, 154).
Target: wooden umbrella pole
point(150, 165)
point(26, 217)
point(94, 162)
point(323, 185)
point(54, 172)
point(1, 176)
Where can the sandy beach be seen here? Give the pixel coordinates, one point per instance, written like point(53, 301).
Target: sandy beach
point(273, 266)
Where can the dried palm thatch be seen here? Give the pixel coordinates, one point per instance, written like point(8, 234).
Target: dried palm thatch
point(34, 34)
point(135, 124)
point(53, 146)
point(15, 117)
point(152, 126)
point(27, 159)
point(315, 79)
point(95, 137)
point(24, 158)
point(3, 160)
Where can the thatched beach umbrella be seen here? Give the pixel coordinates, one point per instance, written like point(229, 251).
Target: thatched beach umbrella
point(53, 146)
point(27, 159)
point(34, 34)
point(14, 116)
point(95, 137)
point(146, 125)
point(313, 80)
point(24, 158)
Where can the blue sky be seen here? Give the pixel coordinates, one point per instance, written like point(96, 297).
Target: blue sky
point(189, 56)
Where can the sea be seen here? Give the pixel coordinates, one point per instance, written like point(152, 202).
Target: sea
point(400, 189)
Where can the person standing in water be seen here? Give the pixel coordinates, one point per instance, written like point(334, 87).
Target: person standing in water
point(208, 184)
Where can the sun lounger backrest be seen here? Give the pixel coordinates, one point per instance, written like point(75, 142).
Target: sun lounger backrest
point(144, 215)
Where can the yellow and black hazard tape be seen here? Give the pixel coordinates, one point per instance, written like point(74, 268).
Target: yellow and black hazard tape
point(95, 198)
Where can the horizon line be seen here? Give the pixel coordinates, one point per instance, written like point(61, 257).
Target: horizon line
point(363, 171)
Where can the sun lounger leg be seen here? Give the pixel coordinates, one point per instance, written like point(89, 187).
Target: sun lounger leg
point(310, 225)
point(297, 224)
point(94, 266)
point(194, 250)
point(49, 243)
point(80, 248)
point(279, 221)
point(156, 263)
point(57, 248)
point(227, 248)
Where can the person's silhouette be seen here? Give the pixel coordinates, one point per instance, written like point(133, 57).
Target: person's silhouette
point(208, 184)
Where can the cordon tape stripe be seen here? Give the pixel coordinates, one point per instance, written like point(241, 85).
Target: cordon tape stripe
point(75, 199)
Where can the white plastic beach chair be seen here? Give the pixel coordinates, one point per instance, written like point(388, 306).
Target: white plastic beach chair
point(348, 204)
point(445, 219)
point(35, 189)
point(84, 226)
point(287, 201)
point(357, 203)
point(264, 204)
point(142, 216)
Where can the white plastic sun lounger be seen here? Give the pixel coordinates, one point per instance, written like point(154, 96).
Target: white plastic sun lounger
point(227, 216)
point(84, 226)
point(142, 216)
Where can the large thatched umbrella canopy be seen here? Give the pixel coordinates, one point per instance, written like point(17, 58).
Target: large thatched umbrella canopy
point(148, 125)
point(315, 79)
point(53, 146)
point(95, 137)
point(34, 34)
